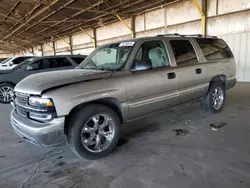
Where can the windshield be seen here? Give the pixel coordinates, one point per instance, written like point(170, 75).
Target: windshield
point(24, 63)
point(109, 57)
point(5, 60)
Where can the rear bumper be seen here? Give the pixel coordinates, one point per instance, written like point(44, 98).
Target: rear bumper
point(231, 82)
point(45, 134)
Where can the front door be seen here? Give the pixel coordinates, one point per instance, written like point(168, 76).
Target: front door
point(152, 90)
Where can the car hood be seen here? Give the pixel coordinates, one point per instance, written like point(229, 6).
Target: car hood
point(37, 83)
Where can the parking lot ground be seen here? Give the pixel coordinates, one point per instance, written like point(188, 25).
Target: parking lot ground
point(177, 148)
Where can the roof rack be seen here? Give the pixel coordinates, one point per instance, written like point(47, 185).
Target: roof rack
point(198, 36)
point(191, 35)
point(168, 35)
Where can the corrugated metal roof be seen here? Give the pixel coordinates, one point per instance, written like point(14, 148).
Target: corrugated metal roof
point(24, 23)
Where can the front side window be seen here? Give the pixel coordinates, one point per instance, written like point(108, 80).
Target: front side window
point(24, 63)
point(109, 57)
point(153, 52)
point(183, 51)
point(40, 64)
point(214, 49)
point(18, 60)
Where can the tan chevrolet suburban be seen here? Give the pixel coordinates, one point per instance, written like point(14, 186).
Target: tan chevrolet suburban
point(118, 83)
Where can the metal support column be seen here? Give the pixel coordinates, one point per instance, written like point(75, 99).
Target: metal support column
point(42, 50)
point(32, 50)
point(203, 12)
point(94, 38)
point(54, 47)
point(70, 44)
point(131, 29)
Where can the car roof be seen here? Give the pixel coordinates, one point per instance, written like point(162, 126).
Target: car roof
point(58, 56)
point(170, 35)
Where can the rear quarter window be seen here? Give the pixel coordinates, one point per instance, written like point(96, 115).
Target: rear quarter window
point(214, 49)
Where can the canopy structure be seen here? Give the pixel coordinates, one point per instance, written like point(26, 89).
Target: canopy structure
point(25, 23)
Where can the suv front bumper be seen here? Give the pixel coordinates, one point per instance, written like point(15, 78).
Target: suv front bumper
point(45, 134)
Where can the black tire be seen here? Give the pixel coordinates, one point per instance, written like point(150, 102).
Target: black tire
point(208, 100)
point(4, 85)
point(76, 124)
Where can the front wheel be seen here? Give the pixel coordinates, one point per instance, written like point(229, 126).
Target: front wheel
point(215, 99)
point(6, 93)
point(93, 131)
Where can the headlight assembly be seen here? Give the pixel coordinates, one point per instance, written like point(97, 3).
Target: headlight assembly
point(40, 102)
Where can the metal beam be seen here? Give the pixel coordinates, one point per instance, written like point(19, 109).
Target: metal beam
point(116, 14)
point(202, 10)
point(30, 18)
point(92, 37)
point(63, 40)
point(47, 16)
point(59, 22)
point(61, 31)
point(10, 11)
point(131, 30)
point(69, 27)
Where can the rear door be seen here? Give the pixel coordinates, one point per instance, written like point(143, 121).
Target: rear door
point(189, 71)
point(150, 91)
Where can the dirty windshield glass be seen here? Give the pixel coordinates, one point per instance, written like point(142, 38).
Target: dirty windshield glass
point(5, 61)
point(110, 57)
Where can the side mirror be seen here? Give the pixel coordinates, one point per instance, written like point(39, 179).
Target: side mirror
point(11, 63)
point(141, 65)
point(29, 67)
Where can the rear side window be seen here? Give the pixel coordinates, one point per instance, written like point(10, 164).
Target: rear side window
point(214, 49)
point(77, 60)
point(59, 62)
point(183, 51)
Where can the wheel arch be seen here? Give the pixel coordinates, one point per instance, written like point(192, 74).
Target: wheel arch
point(218, 78)
point(112, 103)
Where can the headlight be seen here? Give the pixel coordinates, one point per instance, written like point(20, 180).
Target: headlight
point(40, 102)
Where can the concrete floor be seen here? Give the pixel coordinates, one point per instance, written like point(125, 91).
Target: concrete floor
point(150, 155)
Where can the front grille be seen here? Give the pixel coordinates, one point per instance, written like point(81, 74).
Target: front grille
point(21, 111)
point(22, 97)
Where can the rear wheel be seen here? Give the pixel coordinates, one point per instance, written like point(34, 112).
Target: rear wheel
point(94, 131)
point(215, 99)
point(6, 93)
